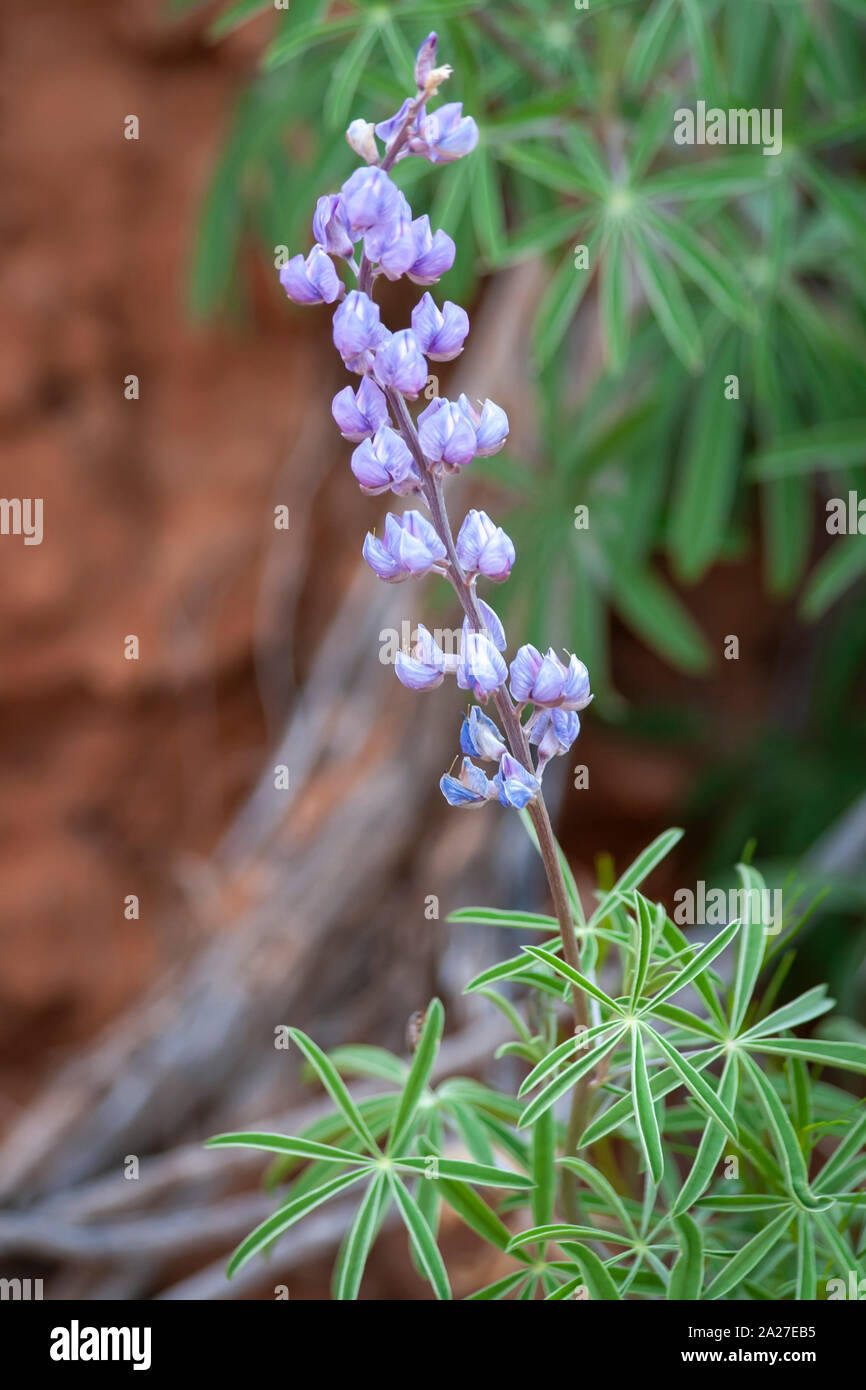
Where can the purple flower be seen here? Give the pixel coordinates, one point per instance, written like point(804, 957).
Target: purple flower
point(409, 547)
point(360, 413)
point(330, 227)
point(399, 363)
point(444, 135)
point(312, 281)
point(426, 668)
point(370, 199)
point(481, 669)
point(434, 253)
point(390, 129)
point(545, 681)
point(553, 732)
point(470, 789)
point(445, 433)
point(483, 548)
point(441, 332)
point(492, 625)
point(490, 425)
point(384, 462)
point(391, 244)
point(480, 737)
point(515, 786)
point(425, 61)
point(357, 330)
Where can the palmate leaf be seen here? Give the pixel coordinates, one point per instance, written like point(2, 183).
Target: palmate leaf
point(622, 1109)
point(462, 1171)
point(697, 1086)
point(712, 1145)
point(568, 1078)
point(598, 1281)
point(283, 1144)
point(360, 1239)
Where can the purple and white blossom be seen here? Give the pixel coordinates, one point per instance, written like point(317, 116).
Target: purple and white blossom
point(480, 737)
point(312, 281)
point(360, 413)
point(358, 330)
point(384, 462)
point(370, 199)
point(446, 435)
point(434, 253)
point(483, 548)
point(361, 136)
point(514, 784)
point(399, 363)
point(490, 425)
point(471, 788)
point(428, 665)
point(441, 332)
point(444, 135)
point(547, 682)
point(331, 227)
point(410, 547)
point(553, 732)
point(481, 669)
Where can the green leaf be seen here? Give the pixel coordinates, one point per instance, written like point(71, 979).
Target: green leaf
point(668, 301)
point(753, 941)
point(651, 39)
point(835, 444)
point(487, 211)
point(696, 966)
point(568, 972)
point(559, 1054)
point(785, 1140)
point(568, 1078)
point(284, 1144)
point(346, 76)
point(543, 1167)
point(461, 1170)
point(419, 1074)
point(801, 1010)
point(807, 1275)
point(493, 917)
point(286, 1216)
point(559, 303)
point(547, 167)
point(598, 1281)
point(850, 1146)
point(498, 1289)
point(842, 566)
point(698, 259)
point(360, 1239)
point(564, 1232)
point(635, 874)
point(707, 480)
point(614, 299)
point(645, 935)
point(745, 1260)
point(654, 613)
point(687, 1275)
point(421, 1238)
point(622, 1109)
point(602, 1188)
point(700, 1089)
point(846, 1056)
point(334, 1085)
point(644, 1109)
point(300, 38)
point(712, 1144)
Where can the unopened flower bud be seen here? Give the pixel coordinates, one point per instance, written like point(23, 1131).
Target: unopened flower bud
point(361, 135)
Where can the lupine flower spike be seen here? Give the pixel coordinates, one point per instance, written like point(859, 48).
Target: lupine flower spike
point(369, 228)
